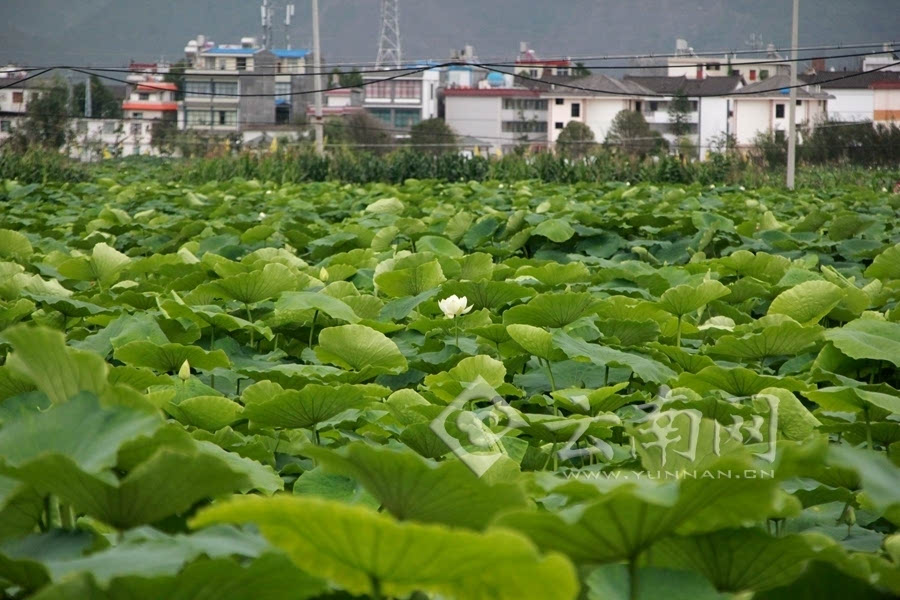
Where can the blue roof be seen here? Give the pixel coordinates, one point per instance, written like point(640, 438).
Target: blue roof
point(242, 51)
point(297, 53)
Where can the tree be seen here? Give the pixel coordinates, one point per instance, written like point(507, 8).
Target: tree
point(679, 111)
point(630, 133)
point(352, 79)
point(576, 140)
point(433, 136)
point(176, 76)
point(359, 129)
point(104, 104)
point(46, 120)
point(580, 70)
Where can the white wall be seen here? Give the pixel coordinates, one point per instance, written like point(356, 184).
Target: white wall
point(596, 113)
point(713, 116)
point(477, 116)
point(750, 117)
point(851, 105)
point(887, 105)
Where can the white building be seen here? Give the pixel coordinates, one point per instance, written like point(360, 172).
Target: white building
point(596, 108)
point(708, 118)
point(886, 60)
point(764, 107)
point(887, 102)
point(687, 64)
point(852, 91)
point(403, 102)
point(501, 117)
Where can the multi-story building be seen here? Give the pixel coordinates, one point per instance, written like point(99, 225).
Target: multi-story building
point(231, 88)
point(529, 65)
point(596, 105)
point(709, 107)
point(852, 91)
point(501, 117)
point(15, 97)
point(149, 101)
point(686, 63)
point(763, 107)
point(886, 102)
point(403, 102)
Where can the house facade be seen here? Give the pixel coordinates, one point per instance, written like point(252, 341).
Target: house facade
point(403, 102)
point(853, 94)
point(886, 102)
point(763, 107)
point(501, 117)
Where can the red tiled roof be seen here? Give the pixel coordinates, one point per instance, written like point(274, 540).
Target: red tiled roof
point(139, 105)
point(156, 86)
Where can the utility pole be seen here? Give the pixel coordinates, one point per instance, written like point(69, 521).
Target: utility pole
point(288, 14)
point(317, 80)
point(792, 108)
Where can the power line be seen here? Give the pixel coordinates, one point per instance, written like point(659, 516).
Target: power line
point(438, 64)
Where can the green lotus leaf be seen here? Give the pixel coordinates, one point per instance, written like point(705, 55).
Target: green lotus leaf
point(536, 341)
point(886, 265)
point(683, 299)
point(104, 266)
point(628, 332)
point(626, 518)
point(644, 367)
point(853, 399)
point(492, 295)
point(291, 303)
point(306, 408)
point(807, 302)
point(410, 281)
point(612, 582)
point(554, 275)
point(365, 552)
point(361, 349)
point(168, 358)
point(438, 245)
point(40, 355)
point(122, 330)
point(555, 230)
point(868, 339)
point(206, 412)
point(64, 428)
point(258, 285)
point(472, 370)
point(736, 381)
point(785, 339)
point(795, 422)
point(14, 245)
point(739, 560)
point(411, 488)
point(550, 310)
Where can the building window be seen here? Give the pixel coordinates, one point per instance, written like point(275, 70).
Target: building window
point(799, 102)
point(5, 126)
point(558, 125)
point(694, 105)
point(135, 129)
point(283, 91)
point(752, 74)
point(197, 117)
point(379, 89)
point(109, 127)
point(241, 64)
point(713, 67)
point(406, 118)
point(226, 117)
point(409, 90)
point(779, 111)
point(524, 104)
point(562, 71)
point(196, 89)
point(560, 101)
point(209, 62)
point(524, 126)
point(382, 114)
point(18, 97)
point(137, 115)
point(576, 109)
point(226, 88)
point(637, 106)
point(763, 74)
point(654, 106)
point(143, 96)
point(533, 72)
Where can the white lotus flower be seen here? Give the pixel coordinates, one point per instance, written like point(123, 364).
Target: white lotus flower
point(184, 373)
point(262, 216)
point(454, 306)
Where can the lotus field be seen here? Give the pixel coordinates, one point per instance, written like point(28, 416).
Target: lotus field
point(440, 391)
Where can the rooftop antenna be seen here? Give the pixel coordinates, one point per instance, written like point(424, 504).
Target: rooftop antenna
point(288, 14)
point(389, 42)
point(265, 14)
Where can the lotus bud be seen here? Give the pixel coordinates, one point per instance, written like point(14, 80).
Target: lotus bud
point(323, 274)
point(184, 373)
point(454, 306)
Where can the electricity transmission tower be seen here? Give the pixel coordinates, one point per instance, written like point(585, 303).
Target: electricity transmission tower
point(389, 42)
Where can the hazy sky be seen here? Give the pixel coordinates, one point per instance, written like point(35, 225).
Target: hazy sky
point(110, 32)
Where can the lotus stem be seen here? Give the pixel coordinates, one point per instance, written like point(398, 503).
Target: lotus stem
point(250, 319)
point(312, 328)
point(456, 325)
point(869, 445)
point(376, 588)
point(678, 333)
point(67, 516)
point(632, 578)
